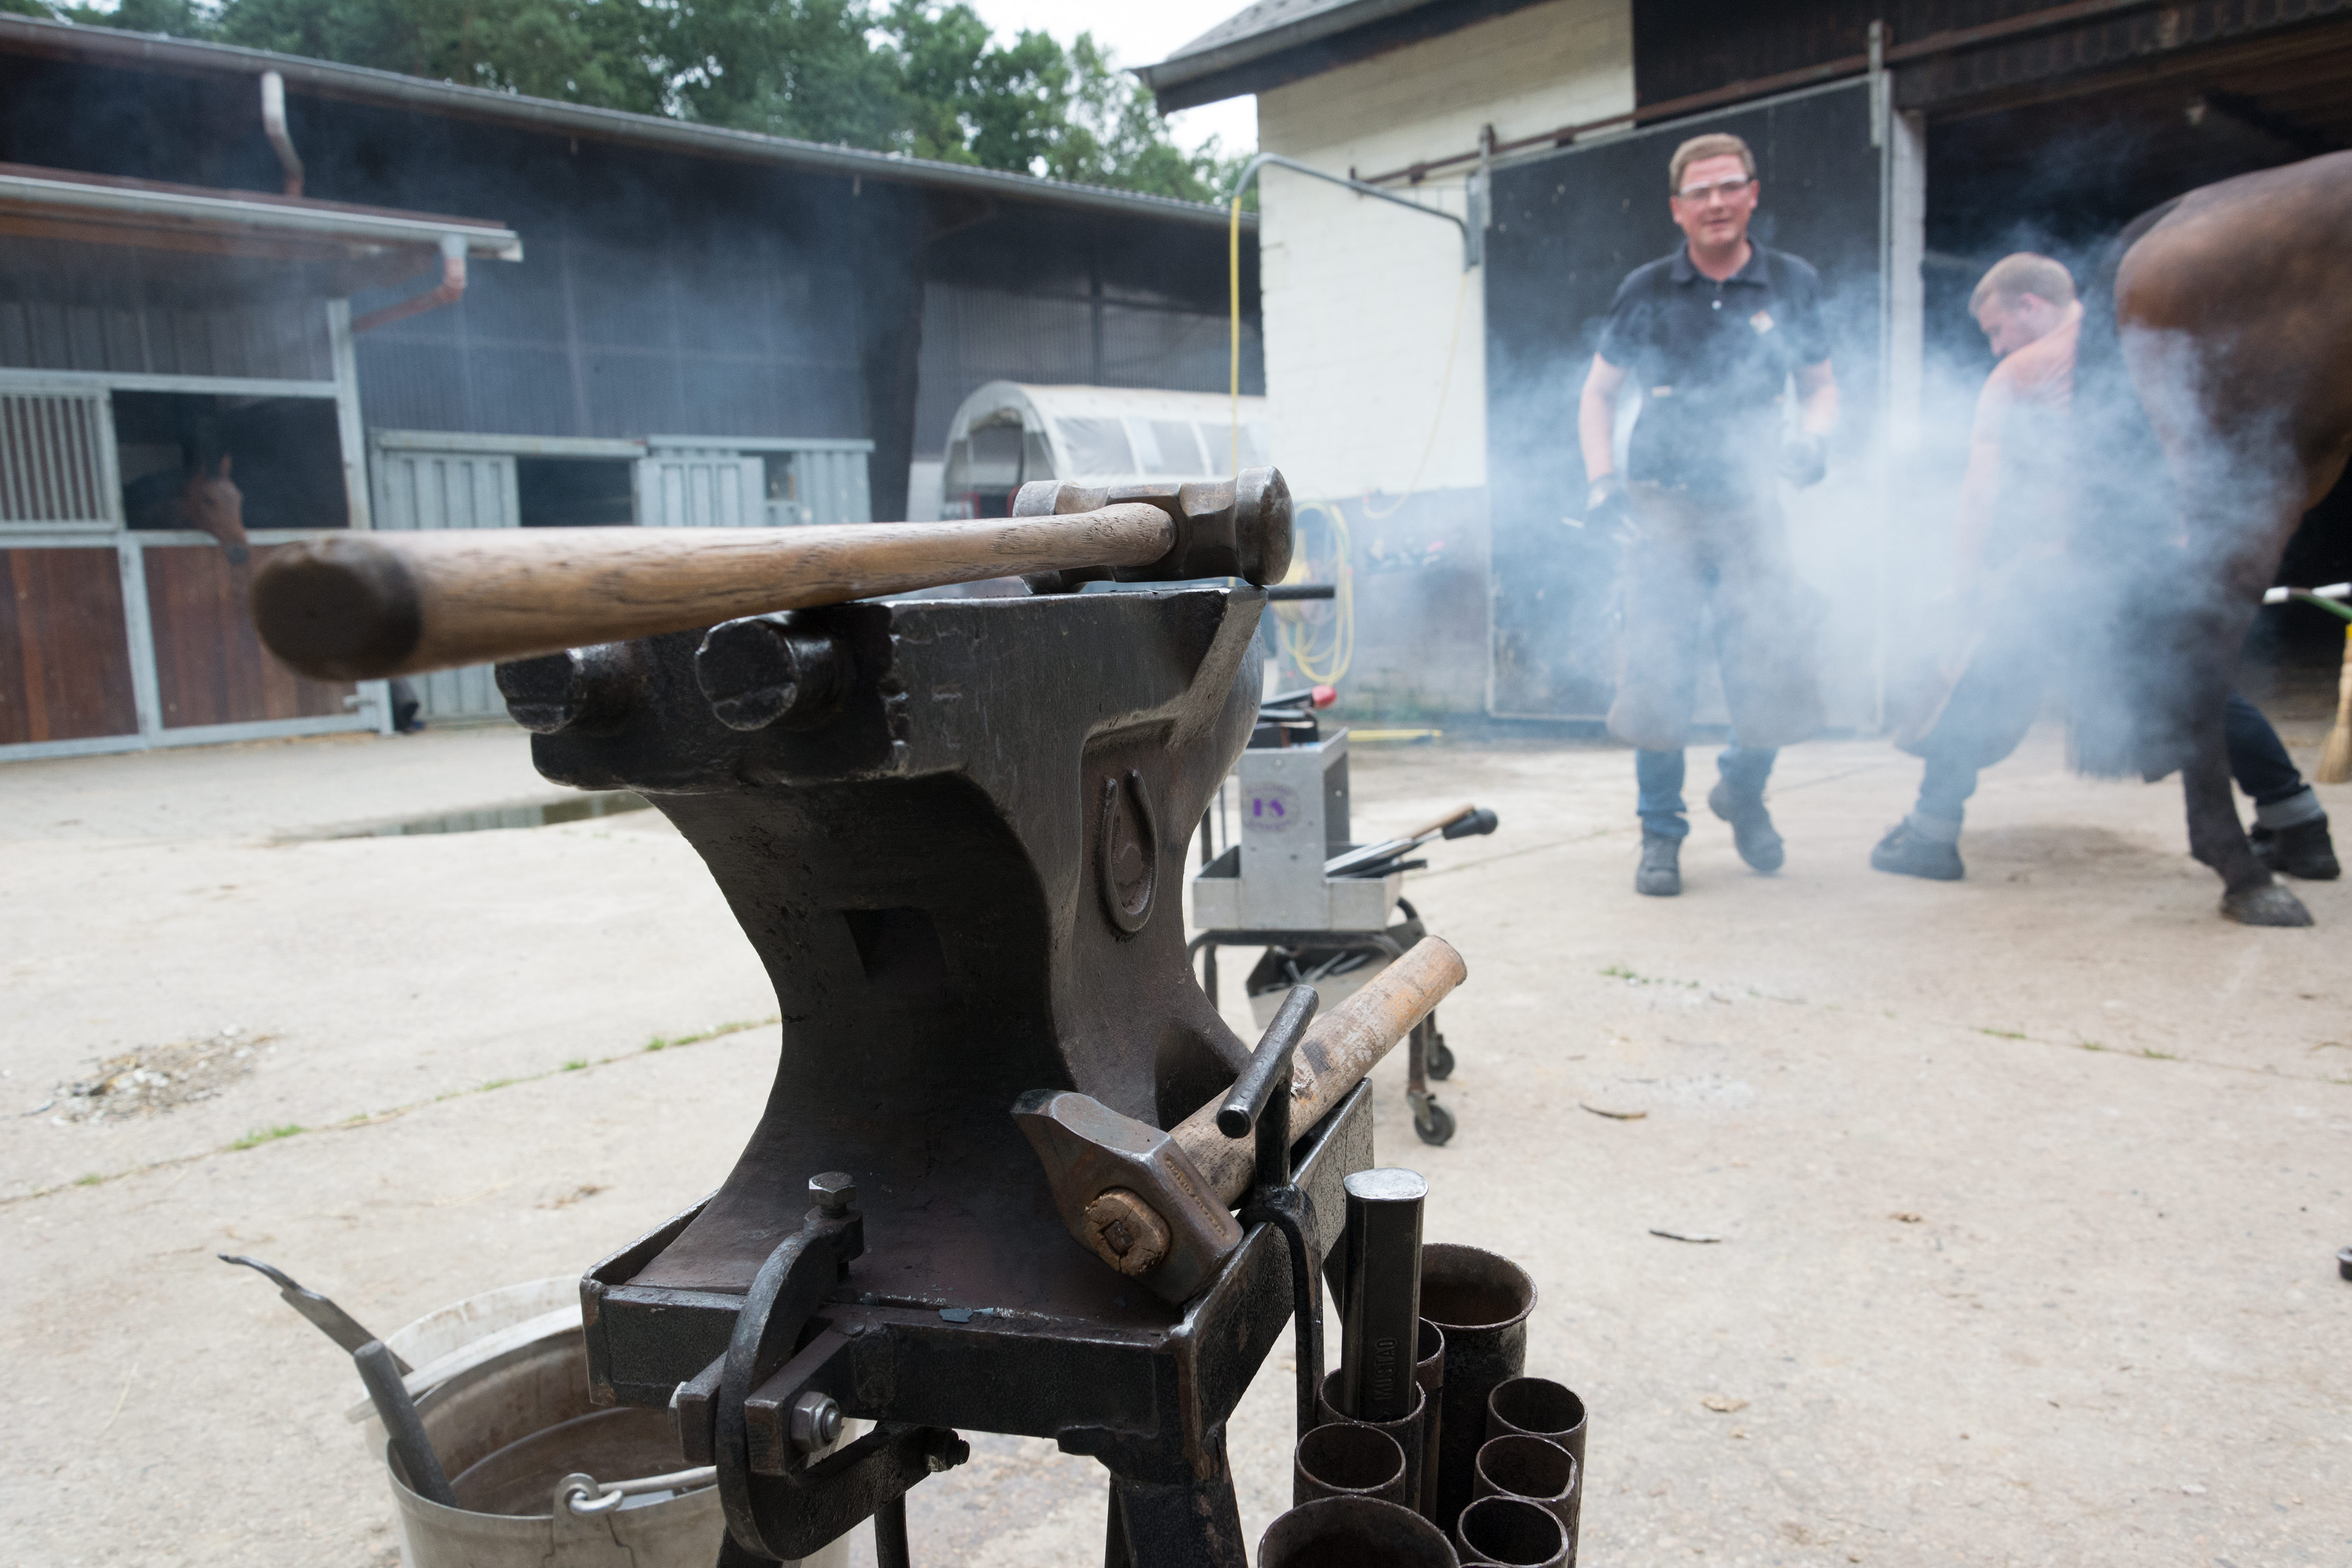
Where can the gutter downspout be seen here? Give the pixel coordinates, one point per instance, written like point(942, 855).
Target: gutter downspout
point(273, 125)
point(451, 289)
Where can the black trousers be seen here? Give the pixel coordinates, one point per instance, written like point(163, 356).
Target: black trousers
point(2258, 761)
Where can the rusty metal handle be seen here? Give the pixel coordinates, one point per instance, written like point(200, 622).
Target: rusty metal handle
point(365, 606)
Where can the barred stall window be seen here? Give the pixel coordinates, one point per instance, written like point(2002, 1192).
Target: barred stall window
point(53, 467)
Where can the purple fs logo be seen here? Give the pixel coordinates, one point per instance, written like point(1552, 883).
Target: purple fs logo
point(1270, 808)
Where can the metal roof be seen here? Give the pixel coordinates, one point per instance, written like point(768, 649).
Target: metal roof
point(363, 84)
point(64, 203)
point(1277, 41)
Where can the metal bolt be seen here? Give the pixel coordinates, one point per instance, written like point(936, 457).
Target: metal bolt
point(946, 1451)
point(764, 670)
point(816, 1421)
point(585, 691)
point(833, 1192)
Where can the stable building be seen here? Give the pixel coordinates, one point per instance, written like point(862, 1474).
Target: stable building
point(392, 302)
point(1902, 147)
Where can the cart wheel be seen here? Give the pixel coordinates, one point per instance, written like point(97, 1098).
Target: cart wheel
point(1440, 1066)
point(1439, 1126)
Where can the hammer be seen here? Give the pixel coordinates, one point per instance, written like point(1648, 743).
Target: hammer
point(362, 606)
point(1156, 1205)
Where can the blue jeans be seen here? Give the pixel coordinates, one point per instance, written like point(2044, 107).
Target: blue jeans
point(1659, 775)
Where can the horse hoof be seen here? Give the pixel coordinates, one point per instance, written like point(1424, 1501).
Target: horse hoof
point(2270, 905)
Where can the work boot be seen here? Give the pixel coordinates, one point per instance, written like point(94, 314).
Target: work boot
point(1752, 827)
point(1661, 875)
point(1907, 852)
point(2304, 850)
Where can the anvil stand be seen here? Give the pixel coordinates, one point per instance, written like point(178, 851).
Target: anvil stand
point(945, 826)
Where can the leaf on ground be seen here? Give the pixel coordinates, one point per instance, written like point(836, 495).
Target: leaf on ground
point(1700, 1237)
point(1723, 1404)
point(1614, 1115)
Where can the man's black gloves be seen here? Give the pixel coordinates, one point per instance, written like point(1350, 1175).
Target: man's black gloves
point(1804, 459)
point(1608, 511)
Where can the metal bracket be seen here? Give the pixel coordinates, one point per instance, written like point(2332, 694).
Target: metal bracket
point(778, 1505)
point(1259, 1102)
point(1473, 238)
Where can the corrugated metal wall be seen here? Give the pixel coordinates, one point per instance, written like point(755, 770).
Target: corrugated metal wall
point(973, 335)
point(102, 308)
point(828, 487)
point(450, 490)
point(701, 490)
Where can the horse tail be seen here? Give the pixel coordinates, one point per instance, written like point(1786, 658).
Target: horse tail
point(2120, 674)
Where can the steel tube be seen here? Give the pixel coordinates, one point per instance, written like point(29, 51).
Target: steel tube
point(1379, 1324)
point(1429, 1371)
point(413, 1449)
point(1346, 1459)
point(1404, 1431)
point(1516, 1464)
point(1354, 1532)
point(1540, 1408)
point(1481, 1302)
point(1511, 1532)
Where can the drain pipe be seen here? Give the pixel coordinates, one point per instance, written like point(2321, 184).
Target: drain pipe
point(451, 290)
point(273, 125)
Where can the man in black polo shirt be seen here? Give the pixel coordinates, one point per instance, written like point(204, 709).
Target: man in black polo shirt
point(1714, 336)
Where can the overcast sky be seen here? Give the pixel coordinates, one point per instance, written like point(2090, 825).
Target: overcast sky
point(1141, 34)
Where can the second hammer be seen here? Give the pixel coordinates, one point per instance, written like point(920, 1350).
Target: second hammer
point(1380, 1306)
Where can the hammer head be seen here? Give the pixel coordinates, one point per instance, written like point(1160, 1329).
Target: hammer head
point(1128, 1192)
point(1224, 528)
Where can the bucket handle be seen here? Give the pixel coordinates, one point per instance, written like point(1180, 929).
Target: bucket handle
point(586, 1496)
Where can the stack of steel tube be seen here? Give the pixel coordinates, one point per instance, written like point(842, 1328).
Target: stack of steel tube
point(1432, 1447)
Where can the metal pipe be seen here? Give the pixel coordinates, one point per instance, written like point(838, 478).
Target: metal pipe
point(1511, 1532)
point(1470, 237)
point(1481, 1301)
point(425, 1476)
point(1379, 1321)
point(1404, 1430)
point(1516, 1464)
point(273, 125)
point(1429, 1371)
point(1344, 1459)
point(1537, 1407)
point(1361, 1533)
point(448, 291)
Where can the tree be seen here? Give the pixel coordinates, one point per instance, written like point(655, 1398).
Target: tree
point(923, 77)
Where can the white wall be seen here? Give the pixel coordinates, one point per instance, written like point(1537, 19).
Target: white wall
point(1362, 302)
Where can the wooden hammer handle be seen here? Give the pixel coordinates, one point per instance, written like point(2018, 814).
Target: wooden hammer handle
point(367, 605)
point(1440, 823)
point(1339, 1050)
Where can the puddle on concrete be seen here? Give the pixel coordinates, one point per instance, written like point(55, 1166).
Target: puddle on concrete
point(543, 813)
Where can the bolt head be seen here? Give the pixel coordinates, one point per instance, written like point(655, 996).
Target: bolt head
point(834, 1191)
point(816, 1421)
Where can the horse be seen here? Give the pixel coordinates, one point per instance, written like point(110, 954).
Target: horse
point(207, 502)
point(2232, 326)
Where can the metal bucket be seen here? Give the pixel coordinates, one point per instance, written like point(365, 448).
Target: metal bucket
point(502, 1384)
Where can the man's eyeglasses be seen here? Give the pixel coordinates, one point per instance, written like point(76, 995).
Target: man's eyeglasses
point(1726, 189)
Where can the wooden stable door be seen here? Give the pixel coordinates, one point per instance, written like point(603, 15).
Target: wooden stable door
point(65, 655)
point(210, 667)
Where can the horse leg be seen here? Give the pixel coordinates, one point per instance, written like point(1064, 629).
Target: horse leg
point(2249, 894)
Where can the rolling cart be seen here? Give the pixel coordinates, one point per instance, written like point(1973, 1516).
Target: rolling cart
point(1329, 912)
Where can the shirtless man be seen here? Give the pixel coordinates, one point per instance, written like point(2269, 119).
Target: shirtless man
point(2017, 501)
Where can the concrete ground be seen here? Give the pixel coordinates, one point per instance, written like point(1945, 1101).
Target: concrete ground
point(2028, 1187)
